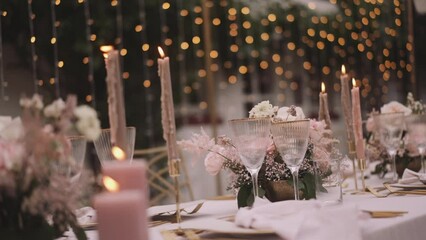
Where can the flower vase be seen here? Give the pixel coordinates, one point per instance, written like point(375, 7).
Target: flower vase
point(279, 191)
point(412, 163)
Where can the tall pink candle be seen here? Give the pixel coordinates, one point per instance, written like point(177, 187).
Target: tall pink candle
point(324, 114)
point(357, 121)
point(346, 103)
point(167, 110)
point(116, 107)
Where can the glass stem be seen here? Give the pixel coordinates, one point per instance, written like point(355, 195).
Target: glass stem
point(295, 173)
point(393, 159)
point(254, 174)
point(422, 154)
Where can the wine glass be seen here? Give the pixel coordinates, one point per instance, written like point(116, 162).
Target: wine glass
point(291, 140)
point(103, 144)
point(416, 129)
point(251, 137)
point(389, 128)
point(78, 153)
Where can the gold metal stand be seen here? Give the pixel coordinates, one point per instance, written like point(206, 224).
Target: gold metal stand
point(361, 164)
point(352, 153)
point(174, 171)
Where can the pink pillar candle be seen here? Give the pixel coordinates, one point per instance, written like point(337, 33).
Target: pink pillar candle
point(167, 109)
point(116, 106)
point(130, 176)
point(121, 216)
point(357, 121)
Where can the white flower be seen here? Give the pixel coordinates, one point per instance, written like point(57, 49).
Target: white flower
point(88, 123)
point(13, 131)
point(263, 109)
point(290, 113)
point(4, 121)
point(34, 102)
point(11, 155)
point(55, 109)
point(370, 124)
point(394, 107)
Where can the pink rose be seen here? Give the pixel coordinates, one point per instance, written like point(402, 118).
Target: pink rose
point(370, 124)
point(213, 163)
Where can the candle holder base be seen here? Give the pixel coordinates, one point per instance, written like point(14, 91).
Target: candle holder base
point(174, 167)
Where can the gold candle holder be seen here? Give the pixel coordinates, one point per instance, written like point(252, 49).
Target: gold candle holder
point(361, 164)
point(352, 153)
point(174, 167)
point(174, 172)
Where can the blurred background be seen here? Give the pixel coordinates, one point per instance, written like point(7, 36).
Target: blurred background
point(226, 56)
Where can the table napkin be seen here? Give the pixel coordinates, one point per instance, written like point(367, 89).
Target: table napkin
point(85, 215)
point(303, 220)
point(411, 177)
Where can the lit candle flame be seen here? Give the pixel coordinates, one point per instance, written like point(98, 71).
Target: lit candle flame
point(343, 69)
point(160, 50)
point(118, 153)
point(105, 49)
point(353, 82)
point(110, 184)
point(322, 87)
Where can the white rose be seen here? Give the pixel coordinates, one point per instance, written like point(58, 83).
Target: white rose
point(263, 109)
point(13, 131)
point(88, 123)
point(394, 107)
point(4, 121)
point(55, 109)
point(290, 113)
point(34, 102)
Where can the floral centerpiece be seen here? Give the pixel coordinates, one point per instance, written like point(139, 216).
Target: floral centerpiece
point(37, 195)
point(408, 155)
point(275, 179)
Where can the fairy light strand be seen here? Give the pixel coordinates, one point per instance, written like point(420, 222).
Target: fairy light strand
point(119, 39)
point(54, 42)
point(145, 72)
point(32, 41)
point(90, 76)
point(2, 80)
point(182, 58)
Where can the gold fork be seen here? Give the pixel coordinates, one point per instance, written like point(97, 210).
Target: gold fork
point(381, 195)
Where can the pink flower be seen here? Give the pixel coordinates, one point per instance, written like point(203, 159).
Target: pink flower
point(370, 124)
point(213, 161)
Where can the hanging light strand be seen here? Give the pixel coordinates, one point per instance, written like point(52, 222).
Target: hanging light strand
point(90, 75)
point(54, 42)
point(145, 72)
point(33, 40)
point(119, 22)
point(2, 80)
point(182, 60)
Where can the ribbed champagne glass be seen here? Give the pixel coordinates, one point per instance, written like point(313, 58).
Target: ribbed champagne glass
point(291, 140)
point(416, 129)
point(251, 137)
point(389, 128)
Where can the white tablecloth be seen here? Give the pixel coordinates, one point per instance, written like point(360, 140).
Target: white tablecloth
point(409, 226)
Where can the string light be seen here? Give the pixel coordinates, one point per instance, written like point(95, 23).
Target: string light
point(55, 79)
point(3, 83)
point(89, 59)
point(31, 17)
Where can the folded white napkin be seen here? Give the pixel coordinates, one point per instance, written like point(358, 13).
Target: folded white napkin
point(411, 177)
point(303, 220)
point(85, 215)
